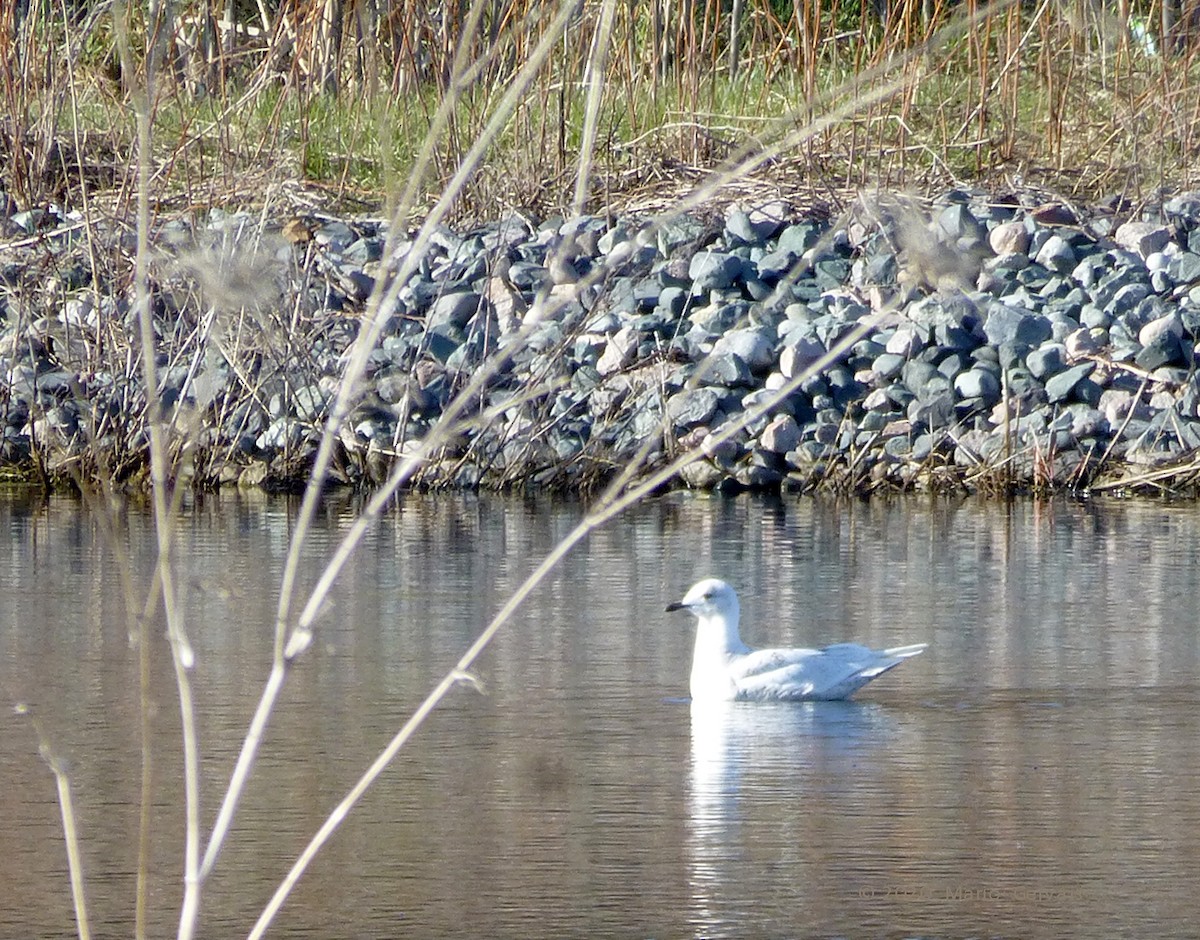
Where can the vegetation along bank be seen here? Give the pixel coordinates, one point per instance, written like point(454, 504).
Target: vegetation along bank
point(976, 341)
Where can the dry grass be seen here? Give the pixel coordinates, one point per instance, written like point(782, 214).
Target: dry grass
point(339, 99)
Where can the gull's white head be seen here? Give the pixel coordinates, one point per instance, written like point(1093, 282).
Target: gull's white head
point(708, 599)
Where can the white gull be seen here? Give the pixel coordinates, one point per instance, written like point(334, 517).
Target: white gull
point(724, 669)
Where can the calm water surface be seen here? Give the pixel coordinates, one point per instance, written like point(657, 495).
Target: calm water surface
point(1034, 773)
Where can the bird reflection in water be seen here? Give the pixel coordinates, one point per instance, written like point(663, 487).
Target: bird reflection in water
point(763, 758)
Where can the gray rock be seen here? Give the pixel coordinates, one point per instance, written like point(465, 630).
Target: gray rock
point(1087, 421)
point(880, 266)
point(1090, 270)
point(977, 383)
point(799, 238)
point(456, 309)
point(753, 346)
point(917, 373)
point(762, 396)
point(877, 401)
point(1007, 266)
point(62, 420)
point(936, 386)
point(728, 369)
point(308, 403)
point(1108, 285)
point(1093, 317)
point(1088, 392)
point(1047, 360)
point(954, 337)
point(889, 365)
point(1078, 328)
point(607, 241)
point(825, 434)
point(769, 217)
point(1162, 350)
point(1005, 324)
point(646, 293)
point(713, 270)
point(1060, 386)
point(1184, 210)
point(703, 475)
point(281, 433)
point(923, 445)
point(760, 291)
point(1184, 268)
point(935, 409)
point(831, 273)
point(757, 476)
point(751, 229)
point(1057, 255)
point(873, 421)
point(1126, 298)
point(952, 364)
point(1085, 342)
point(956, 223)
point(673, 272)
point(775, 264)
point(692, 407)
point(672, 301)
point(718, 317)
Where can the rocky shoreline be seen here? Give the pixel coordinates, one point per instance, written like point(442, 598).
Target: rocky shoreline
point(975, 341)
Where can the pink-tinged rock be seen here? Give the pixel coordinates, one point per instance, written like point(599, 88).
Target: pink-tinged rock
point(1009, 238)
point(877, 400)
point(1142, 238)
point(507, 302)
point(780, 435)
point(906, 342)
point(1053, 213)
point(1118, 403)
point(879, 298)
point(619, 352)
point(799, 355)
